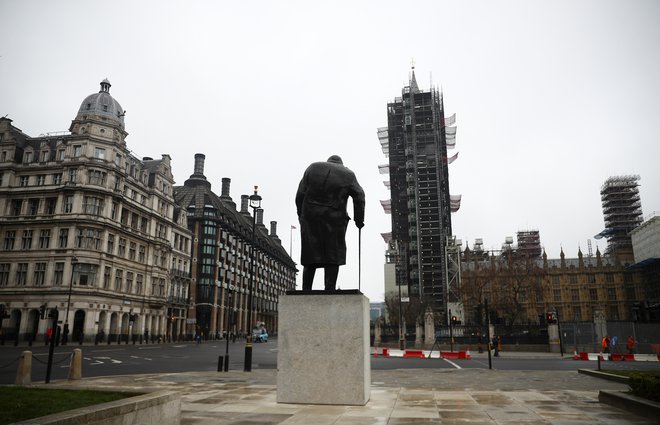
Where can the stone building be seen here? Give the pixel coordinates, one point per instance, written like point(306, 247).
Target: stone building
point(221, 259)
point(88, 228)
point(521, 289)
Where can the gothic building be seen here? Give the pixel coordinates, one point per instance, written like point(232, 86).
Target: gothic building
point(88, 228)
point(522, 289)
point(221, 257)
point(416, 140)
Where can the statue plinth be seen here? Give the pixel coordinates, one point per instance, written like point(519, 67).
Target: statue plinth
point(323, 348)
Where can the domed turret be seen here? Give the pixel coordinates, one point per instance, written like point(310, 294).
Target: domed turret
point(103, 105)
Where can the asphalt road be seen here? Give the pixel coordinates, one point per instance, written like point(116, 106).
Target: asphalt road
point(103, 360)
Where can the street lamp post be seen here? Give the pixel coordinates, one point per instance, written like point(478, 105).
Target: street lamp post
point(402, 329)
point(74, 261)
point(255, 204)
point(228, 326)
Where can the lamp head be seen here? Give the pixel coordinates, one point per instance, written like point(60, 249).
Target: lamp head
point(255, 199)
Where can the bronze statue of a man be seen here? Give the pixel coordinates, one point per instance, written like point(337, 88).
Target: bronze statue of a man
point(321, 203)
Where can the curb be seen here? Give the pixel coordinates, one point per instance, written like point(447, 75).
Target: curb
point(604, 375)
point(637, 405)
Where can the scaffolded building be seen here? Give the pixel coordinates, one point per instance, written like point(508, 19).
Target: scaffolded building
point(416, 140)
point(622, 211)
point(529, 243)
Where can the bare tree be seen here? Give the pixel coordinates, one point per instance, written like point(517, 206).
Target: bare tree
point(413, 310)
point(511, 283)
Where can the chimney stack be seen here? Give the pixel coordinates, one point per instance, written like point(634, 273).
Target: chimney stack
point(226, 182)
point(273, 228)
point(244, 204)
point(260, 216)
point(199, 164)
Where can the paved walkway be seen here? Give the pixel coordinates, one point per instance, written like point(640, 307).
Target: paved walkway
point(404, 396)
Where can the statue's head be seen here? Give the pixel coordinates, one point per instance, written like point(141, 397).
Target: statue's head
point(336, 159)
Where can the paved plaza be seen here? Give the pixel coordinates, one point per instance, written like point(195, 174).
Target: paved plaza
point(410, 396)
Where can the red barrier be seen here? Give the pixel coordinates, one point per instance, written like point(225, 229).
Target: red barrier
point(629, 357)
point(455, 355)
point(584, 356)
point(616, 357)
point(414, 353)
point(386, 352)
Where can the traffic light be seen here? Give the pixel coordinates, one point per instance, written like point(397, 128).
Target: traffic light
point(42, 311)
point(550, 318)
point(453, 319)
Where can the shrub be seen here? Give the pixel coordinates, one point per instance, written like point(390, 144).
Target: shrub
point(646, 386)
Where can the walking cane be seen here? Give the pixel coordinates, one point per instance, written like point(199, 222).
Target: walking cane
point(360, 259)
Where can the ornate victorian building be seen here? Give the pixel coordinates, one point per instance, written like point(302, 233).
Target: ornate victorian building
point(221, 259)
point(88, 228)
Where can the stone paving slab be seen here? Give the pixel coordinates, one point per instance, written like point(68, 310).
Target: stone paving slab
point(410, 396)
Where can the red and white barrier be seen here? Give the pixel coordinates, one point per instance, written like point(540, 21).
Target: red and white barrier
point(617, 357)
point(423, 354)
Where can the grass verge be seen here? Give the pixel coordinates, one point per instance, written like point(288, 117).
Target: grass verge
point(21, 403)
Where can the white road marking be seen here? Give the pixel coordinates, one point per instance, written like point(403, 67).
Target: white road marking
point(137, 357)
point(108, 358)
point(452, 363)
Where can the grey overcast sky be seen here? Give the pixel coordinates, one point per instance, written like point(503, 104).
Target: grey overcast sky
point(551, 98)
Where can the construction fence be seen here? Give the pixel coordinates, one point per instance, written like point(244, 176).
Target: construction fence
point(576, 336)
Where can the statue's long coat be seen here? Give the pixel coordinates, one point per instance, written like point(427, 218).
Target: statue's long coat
point(321, 203)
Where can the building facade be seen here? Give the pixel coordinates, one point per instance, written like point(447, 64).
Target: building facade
point(646, 246)
point(221, 260)
point(88, 228)
point(520, 289)
point(416, 140)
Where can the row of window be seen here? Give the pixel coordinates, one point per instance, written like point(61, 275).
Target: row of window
point(85, 275)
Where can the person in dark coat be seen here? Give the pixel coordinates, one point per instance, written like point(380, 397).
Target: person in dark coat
point(321, 203)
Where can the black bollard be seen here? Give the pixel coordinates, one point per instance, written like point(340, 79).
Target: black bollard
point(220, 363)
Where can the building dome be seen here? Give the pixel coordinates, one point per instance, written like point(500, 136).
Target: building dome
point(102, 104)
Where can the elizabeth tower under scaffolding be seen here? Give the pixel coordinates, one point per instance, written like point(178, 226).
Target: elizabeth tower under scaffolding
point(416, 140)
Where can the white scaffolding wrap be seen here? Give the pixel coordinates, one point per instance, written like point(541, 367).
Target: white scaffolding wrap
point(454, 202)
point(451, 120)
point(387, 237)
point(386, 183)
point(384, 141)
point(384, 168)
point(387, 206)
point(382, 133)
point(386, 150)
point(452, 158)
point(451, 141)
point(450, 131)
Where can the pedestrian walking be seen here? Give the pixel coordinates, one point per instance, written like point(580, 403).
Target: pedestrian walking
point(496, 346)
point(605, 343)
point(65, 334)
point(630, 344)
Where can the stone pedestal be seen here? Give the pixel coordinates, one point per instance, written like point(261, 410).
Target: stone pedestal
point(553, 337)
point(75, 368)
point(323, 348)
point(24, 371)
